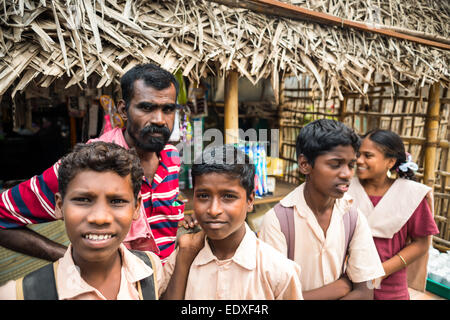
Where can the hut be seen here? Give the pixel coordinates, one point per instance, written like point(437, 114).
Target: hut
point(378, 63)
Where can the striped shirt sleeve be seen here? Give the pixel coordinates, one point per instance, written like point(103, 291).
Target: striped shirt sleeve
point(30, 202)
point(163, 209)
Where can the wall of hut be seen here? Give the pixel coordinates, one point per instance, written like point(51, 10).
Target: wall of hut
point(398, 107)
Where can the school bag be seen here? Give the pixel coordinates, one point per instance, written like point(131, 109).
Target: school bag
point(285, 216)
point(41, 284)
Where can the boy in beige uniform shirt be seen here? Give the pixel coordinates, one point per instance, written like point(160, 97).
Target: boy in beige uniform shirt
point(326, 152)
point(233, 264)
point(99, 196)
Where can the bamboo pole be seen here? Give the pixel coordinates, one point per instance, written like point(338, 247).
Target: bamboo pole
point(431, 132)
point(231, 107)
point(281, 101)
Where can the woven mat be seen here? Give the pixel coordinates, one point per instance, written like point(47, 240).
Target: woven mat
point(15, 265)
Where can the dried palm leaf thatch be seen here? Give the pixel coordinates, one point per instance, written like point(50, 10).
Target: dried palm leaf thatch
point(44, 40)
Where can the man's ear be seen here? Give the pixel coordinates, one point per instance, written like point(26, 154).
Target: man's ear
point(250, 201)
point(137, 208)
point(304, 165)
point(122, 110)
point(58, 206)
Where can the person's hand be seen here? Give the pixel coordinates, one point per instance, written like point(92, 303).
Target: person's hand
point(189, 222)
point(190, 244)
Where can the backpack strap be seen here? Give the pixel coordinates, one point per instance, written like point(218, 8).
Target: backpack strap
point(39, 284)
point(147, 287)
point(286, 217)
point(350, 218)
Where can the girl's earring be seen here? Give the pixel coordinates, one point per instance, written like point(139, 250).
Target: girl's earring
point(391, 175)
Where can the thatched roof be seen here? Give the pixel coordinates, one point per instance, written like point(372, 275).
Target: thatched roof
point(44, 40)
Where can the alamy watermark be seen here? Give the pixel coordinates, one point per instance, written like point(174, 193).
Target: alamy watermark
point(265, 142)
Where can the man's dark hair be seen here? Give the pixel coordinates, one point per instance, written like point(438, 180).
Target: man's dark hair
point(226, 159)
point(153, 76)
point(320, 136)
point(100, 157)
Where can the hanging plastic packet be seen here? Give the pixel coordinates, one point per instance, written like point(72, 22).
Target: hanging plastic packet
point(186, 129)
point(176, 132)
point(263, 168)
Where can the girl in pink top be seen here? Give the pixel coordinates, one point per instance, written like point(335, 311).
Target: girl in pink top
point(399, 211)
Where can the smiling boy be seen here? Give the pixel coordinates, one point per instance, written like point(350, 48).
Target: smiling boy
point(233, 264)
point(318, 209)
point(99, 196)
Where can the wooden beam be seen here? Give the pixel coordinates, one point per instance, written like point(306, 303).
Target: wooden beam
point(431, 132)
point(287, 10)
point(231, 107)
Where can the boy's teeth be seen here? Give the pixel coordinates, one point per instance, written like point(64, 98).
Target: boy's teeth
point(97, 237)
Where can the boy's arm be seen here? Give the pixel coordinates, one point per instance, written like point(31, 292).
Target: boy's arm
point(361, 291)
point(364, 264)
point(333, 291)
point(188, 247)
point(31, 243)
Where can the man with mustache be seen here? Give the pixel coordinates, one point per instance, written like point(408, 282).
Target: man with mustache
point(148, 106)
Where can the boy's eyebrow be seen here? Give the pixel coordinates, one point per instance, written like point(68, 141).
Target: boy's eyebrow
point(229, 191)
point(206, 190)
point(339, 159)
point(81, 192)
point(94, 194)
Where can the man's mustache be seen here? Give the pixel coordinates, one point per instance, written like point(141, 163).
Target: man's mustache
point(155, 129)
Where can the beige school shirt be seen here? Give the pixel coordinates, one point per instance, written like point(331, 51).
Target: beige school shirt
point(321, 257)
point(255, 272)
point(71, 286)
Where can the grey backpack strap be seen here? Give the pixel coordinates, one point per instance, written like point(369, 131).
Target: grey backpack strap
point(147, 286)
point(350, 218)
point(38, 285)
point(286, 217)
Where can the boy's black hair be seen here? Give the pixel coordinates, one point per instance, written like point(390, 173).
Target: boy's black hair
point(226, 159)
point(101, 157)
point(320, 136)
point(153, 76)
point(392, 146)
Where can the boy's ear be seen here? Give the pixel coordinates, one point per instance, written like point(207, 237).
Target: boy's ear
point(137, 207)
point(58, 206)
point(250, 201)
point(304, 165)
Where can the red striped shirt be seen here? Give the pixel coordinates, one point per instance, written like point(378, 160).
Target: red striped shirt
point(33, 201)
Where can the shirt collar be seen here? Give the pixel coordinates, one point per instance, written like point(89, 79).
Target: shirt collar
point(169, 163)
point(70, 284)
point(296, 199)
point(245, 254)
